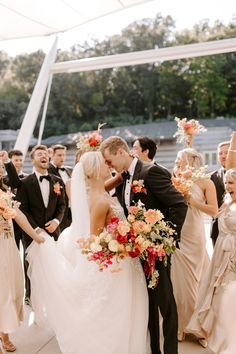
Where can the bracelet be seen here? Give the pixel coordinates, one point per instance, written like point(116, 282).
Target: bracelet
point(231, 150)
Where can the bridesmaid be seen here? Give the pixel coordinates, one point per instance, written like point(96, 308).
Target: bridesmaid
point(206, 320)
point(11, 273)
point(191, 260)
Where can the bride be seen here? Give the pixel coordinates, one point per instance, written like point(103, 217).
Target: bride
point(89, 311)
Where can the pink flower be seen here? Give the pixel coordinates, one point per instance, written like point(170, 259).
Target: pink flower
point(133, 210)
point(187, 125)
point(151, 216)
point(131, 218)
point(138, 226)
point(57, 188)
point(123, 227)
point(138, 186)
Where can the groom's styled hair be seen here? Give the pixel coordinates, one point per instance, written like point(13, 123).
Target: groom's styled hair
point(113, 144)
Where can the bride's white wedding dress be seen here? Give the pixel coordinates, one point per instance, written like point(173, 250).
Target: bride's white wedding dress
point(89, 311)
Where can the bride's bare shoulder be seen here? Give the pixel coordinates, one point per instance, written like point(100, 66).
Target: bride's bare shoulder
point(99, 201)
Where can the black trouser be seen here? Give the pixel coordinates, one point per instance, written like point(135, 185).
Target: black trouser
point(26, 241)
point(18, 234)
point(162, 298)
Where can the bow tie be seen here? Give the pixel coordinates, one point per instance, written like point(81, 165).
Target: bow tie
point(61, 169)
point(47, 177)
point(125, 175)
point(21, 176)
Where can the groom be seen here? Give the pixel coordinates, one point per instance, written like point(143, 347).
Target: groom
point(163, 196)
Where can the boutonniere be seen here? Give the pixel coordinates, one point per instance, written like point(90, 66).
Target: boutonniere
point(57, 188)
point(138, 186)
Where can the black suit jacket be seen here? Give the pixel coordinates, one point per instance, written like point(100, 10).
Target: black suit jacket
point(66, 221)
point(217, 178)
point(32, 205)
point(161, 194)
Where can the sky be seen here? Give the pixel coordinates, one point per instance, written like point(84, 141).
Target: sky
point(185, 13)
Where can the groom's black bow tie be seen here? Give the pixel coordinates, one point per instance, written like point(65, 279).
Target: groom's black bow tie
point(125, 175)
point(47, 177)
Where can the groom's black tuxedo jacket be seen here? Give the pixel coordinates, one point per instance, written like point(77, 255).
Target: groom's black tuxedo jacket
point(32, 205)
point(161, 194)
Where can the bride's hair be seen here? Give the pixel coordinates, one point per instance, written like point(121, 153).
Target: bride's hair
point(193, 158)
point(91, 162)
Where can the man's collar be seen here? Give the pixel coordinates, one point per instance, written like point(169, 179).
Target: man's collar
point(132, 166)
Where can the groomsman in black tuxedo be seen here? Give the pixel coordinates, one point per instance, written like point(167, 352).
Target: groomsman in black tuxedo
point(13, 161)
point(163, 196)
point(57, 167)
point(145, 149)
point(218, 178)
point(42, 199)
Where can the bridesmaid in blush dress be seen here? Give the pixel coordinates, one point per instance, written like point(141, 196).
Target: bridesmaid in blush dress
point(191, 260)
point(11, 272)
point(208, 320)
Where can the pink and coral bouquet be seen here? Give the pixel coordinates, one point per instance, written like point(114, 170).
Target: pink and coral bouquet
point(186, 129)
point(144, 234)
point(184, 181)
point(90, 141)
point(7, 209)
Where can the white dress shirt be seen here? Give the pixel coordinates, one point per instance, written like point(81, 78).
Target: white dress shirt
point(44, 187)
point(129, 182)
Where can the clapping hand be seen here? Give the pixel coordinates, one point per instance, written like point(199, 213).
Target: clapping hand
point(4, 156)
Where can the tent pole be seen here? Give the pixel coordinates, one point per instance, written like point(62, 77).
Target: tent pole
point(42, 124)
point(31, 115)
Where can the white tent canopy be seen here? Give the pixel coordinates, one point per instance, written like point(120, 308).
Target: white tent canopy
point(31, 18)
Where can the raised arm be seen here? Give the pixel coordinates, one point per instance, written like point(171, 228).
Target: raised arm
point(231, 157)
point(13, 179)
point(209, 207)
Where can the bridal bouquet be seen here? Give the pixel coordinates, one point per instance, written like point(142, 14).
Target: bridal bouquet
point(90, 141)
point(184, 181)
point(7, 210)
point(186, 129)
point(144, 234)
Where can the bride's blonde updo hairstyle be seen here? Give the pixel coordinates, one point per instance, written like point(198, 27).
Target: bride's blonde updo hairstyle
point(91, 162)
point(192, 157)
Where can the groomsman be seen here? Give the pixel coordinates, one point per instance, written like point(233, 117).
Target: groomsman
point(145, 148)
point(42, 199)
point(163, 196)
point(57, 167)
point(13, 162)
point(218, 178)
